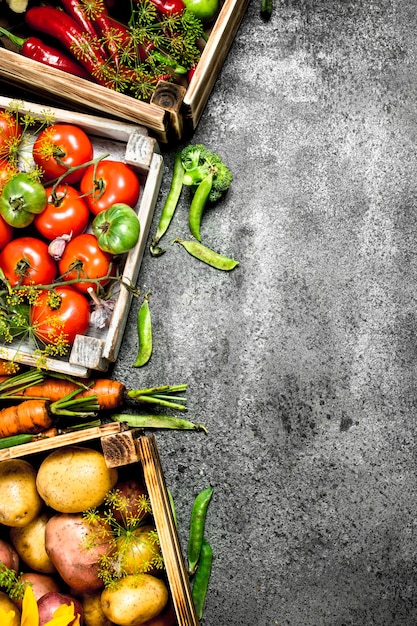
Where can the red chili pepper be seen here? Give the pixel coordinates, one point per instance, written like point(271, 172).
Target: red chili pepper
point(51, 21)
point(168, 7)
point(75, 9)
point(35, 49)
point(104, 26)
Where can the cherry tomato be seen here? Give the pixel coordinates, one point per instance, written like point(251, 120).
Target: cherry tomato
point(10, 136)
point(66, 213)
point(6, 233)
point(112, 182)
point(59, 147)
point(83, 258)
point(26, 261)
point(53, 319)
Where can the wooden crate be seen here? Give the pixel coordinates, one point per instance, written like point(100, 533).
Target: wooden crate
point(122, 447)
point(174, 110)
point(97, 349)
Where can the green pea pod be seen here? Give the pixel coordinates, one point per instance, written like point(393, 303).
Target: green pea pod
point(266, 9)
point(144, 324)
point(202, 577)
point(15, 440)
point(197, 523)
point(157, 421)
point(207, 255)
point(169, 206)
point(198, 204)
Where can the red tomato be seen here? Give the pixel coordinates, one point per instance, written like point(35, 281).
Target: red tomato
point(6, 233)
point(114, 182)
point(51, 323)
point(59, 147)
point(26, 261)
point(82, 258)
point(10, 135)
point(65, 213)
point(7, 171)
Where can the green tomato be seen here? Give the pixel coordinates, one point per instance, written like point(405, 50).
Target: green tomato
point(205, 10)
point(117, 228)
point(22, 198)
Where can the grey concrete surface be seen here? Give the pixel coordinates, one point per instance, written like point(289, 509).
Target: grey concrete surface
point(301, 362)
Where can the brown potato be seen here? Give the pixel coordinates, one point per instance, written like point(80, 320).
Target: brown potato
point(7, 605)
point(20, 502)
point(8, 555)
point(135, 599)
point(137, 550)
point(41, 584)
point(29, 542)
point(93, 612)
point(70, 542)
point(73, 479)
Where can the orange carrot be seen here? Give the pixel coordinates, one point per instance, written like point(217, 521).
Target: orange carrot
point(110, 393)
point(30, 416)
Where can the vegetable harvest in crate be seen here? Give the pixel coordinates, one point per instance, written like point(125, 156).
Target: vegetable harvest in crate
point(68, 219)
point(126, 48)
point(37, 403)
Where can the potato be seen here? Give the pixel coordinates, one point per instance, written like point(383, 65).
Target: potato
point(50, 602)
point(41, 584)
point(69, 540)
point(73, 479)
point(7, 605)
point(132, 493)
point(20, 502)
point(93, 612)
point(166, 618)
point(134, 599)
point(8, 555)
point(29, 541)
point(137, 550)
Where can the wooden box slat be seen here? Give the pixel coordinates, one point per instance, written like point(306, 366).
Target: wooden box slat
point(172, 113)
point(98, 349)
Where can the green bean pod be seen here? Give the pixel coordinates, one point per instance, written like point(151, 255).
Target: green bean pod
point(144, 326)
point(169, 206)
point(202, 577)
point(15, 440)
point(197, 523)
point(207, 255)
point(198, 204)
point(157, 421)
point(266, 9)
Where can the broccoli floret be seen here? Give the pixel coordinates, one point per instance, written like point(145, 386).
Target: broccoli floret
point(209, 175)
point(198, 163)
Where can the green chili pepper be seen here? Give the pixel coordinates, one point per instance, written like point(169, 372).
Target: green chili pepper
point(169, 206)
point(202, 577)
point(266, 9)
point(157, 421)
point(197, 523)
point(207, 255)
point(144, 324)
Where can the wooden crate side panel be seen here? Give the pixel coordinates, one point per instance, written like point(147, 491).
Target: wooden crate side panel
point(59, 441)
point(20, 71)
point(167, 533)
point(212, 58)
point(131, 270)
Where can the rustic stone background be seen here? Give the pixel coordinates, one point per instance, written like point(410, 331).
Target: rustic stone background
point(302, 361)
